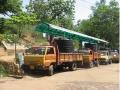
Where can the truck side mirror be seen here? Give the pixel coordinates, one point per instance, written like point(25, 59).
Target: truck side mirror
point(90, 52)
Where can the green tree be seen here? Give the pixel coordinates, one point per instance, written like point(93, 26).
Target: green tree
point(103, 23)
point(1, 25)
point(11, 6)
point(58, 12)
point(8, 7)
point(85, 26)
point(18, 22)
point(106, 23)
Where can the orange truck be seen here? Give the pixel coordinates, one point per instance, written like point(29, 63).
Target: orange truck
point(90, 58)
point(60, 54)
point(49, 58)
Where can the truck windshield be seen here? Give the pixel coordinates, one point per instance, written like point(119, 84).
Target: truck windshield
point(39, 51)
point(103, 53)
point(114, 53)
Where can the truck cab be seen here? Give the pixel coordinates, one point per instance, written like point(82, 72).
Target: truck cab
point(40, 57)
point(104, 57)
point(114, 56)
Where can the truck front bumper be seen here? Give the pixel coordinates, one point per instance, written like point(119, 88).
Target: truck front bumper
point(116, 60)
point(34, 67)
point(102, 60)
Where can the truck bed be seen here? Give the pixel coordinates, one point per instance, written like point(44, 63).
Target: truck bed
point(69, 57)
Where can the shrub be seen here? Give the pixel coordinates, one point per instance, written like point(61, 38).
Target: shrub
point(3, 71)
point(1, 37)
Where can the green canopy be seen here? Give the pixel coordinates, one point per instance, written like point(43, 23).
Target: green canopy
point(59, 31)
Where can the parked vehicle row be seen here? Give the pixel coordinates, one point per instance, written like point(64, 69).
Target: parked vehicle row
point(108, 57)
point(49, 58)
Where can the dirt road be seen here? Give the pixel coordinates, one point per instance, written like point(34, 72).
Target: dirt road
point(104, 77)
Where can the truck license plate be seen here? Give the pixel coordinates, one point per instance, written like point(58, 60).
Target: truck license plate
point(32, 67)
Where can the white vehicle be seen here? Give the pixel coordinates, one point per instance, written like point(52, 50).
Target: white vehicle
point(105, 57)
point(114, 56)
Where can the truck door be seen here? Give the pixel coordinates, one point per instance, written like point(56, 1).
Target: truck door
point(50, 56)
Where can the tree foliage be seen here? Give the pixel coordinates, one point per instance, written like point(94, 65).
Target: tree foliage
point(58, 12)
point(8, 7)
point(11, 6)
point(21, 20)
point(103, 23)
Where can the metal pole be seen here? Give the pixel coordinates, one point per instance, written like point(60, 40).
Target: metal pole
point(80, 45)
point(15, 45)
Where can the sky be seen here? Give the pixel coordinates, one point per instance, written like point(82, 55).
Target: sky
point(82, 8)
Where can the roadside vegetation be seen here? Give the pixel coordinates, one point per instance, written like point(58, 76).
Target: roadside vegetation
point(20, 26)
point(3, 71)
point(102, 23)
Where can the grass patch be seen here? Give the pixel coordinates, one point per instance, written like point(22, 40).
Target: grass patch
point(3, 71)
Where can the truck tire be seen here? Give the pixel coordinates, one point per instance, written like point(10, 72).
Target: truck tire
point(97, 63)
point(73, 66)
point(65, 46)
point(59, 68)
point(110, 61)
point(106, 62)
point(50, 70)
point(25, 68)
point(91, 65)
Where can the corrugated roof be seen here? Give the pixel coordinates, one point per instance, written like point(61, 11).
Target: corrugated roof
point(59, 31)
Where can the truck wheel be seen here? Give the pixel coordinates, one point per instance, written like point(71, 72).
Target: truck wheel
point(73, 67)
point(106, 62)
point(91, 65)
point(25, 68)
point(97, 63)
point(59, 68)
point(50, 70)
point(110, 61)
